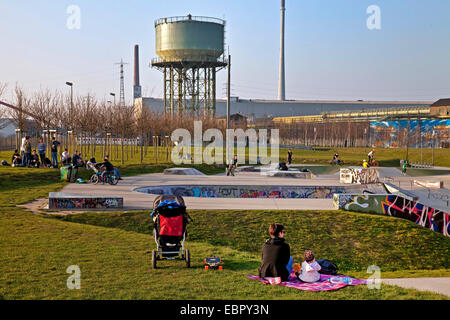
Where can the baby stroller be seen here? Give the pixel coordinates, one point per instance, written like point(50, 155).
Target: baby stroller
point(169, 230)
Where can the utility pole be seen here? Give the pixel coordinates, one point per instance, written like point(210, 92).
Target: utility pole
point(281, 79)
point(229, 92)
point(122, 86)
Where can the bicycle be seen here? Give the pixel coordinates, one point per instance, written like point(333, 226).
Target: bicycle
point(373, 163)
point(110, 178)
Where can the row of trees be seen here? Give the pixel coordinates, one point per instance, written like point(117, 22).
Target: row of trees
point(90, 117)
point(326, 134)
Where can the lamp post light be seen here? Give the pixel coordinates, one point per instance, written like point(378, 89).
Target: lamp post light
point(113, 95)
point(70, 84)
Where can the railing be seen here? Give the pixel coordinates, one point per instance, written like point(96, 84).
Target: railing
point(434, 194)
point(221, 59)
point(189, 18)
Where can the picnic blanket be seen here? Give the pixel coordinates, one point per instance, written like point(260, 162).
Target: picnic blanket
point(326, 282)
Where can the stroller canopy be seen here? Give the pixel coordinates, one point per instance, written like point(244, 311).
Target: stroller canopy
point(169, 209)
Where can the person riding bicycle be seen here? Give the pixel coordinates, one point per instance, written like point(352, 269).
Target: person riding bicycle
point(109, 168)
point(371, 155)
point(336, 160)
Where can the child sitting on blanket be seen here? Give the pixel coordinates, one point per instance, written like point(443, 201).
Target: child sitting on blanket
point(310, 268)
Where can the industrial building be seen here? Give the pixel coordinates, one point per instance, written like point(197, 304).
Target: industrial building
point(295, 110)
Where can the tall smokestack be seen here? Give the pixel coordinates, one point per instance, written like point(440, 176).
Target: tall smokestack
point(137, 89)
point(281, 88)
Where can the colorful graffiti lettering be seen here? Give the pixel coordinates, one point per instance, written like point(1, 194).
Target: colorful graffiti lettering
point(278, 192)
point(396, 206)
point(84, 203)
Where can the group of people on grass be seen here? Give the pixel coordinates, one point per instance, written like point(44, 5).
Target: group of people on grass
point(28, 156)
point(277, 260)
point(32, 158)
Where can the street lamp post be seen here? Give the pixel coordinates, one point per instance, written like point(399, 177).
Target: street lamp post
point(70, 84)
point(113, 95)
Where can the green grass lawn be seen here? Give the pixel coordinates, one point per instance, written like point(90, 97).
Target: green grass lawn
point(355, 156)
point(319, 155)
point(113, 250)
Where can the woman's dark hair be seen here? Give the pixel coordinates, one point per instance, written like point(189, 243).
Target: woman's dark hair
point(275, 229)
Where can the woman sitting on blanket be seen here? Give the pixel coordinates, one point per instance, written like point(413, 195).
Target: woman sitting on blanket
point(276, 255)
point(310, 268)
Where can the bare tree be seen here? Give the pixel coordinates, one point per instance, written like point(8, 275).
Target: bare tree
point(22, 103)
point(3, 114)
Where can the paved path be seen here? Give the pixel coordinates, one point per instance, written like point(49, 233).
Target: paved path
point(438, 285)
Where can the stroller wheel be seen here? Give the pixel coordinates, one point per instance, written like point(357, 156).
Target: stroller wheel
point(187, 256)
point(154, 259)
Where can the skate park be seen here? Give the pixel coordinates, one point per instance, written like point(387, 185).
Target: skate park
point(423, 199)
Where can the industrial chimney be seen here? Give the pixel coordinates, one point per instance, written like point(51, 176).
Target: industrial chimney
point(137, 89)
point(281, 88)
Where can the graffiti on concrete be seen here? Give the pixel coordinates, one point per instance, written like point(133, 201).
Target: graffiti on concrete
point(246, 191)
point(396, 206)
point(85, 203)
point(359, 175)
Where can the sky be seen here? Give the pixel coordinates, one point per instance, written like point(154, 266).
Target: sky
point(331, 54)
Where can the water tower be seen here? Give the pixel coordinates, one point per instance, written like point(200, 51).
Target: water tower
point(190, 51)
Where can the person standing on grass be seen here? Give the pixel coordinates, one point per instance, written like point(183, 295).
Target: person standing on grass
point(27, 154)
point(22, 151)
point(55, 145)
point(289, 157)
point(276, 255)
point(41, 149)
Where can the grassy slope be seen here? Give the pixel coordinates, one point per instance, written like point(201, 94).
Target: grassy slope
point(115, 264)
point(352, 240)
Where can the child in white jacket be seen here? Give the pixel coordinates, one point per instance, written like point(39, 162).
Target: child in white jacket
point(310, 268)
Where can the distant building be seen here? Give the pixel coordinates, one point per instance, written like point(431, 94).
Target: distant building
point(440, 108)
point(236, 121)
point(263, 109)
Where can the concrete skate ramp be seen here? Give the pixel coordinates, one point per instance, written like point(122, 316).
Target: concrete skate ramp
point(251, 191)
point(184, 172)
point(288, 174)
point(396, 205)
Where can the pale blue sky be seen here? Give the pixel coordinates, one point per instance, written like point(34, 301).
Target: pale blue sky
point(330, 53)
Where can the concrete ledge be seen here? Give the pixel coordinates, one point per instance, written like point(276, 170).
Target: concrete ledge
point(288, 174)
point(429, 183)
point(359, 175)
point(393, 189)
point(65, 201)
point(184, 171)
